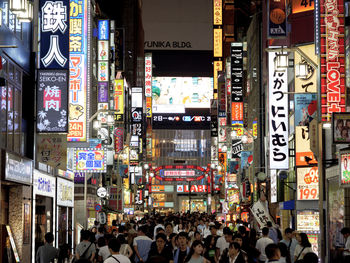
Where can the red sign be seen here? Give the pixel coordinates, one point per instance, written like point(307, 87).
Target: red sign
point(237, 111)
point(180, 173)
point(194, 188)
point(332, 58)
point(118, 139)
point(148, 75)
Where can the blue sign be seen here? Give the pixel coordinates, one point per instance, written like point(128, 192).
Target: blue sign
point(103, 30)
point(54, 34)
point(98, 207)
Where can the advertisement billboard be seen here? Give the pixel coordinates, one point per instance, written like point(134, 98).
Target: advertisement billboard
point(305, 108)
point(277, 23)
point(345, 169)
point(308, 220)
point(307, 183)
point(54, 34)
point(78, 49)
point(332, 20)
point(52, 150)
point(341, 128)
point(52, 97)
point(191, 92)
point(148, 75)
point(119, 96)
point(303, 154)
point(278, 116)
point(90, 160)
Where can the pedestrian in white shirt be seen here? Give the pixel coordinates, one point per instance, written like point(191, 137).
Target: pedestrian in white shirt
point(262, 243)
point(114, 246)
point(346, 250)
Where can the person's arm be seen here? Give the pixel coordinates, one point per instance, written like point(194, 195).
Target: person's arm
point(37, 260)
point(130, 252)
point(137, 253)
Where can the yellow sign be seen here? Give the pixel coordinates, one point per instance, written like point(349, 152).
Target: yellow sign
point(119, 96)
point(52, 150)
point(308, 84)
point(217, 12)
point(299, 6)
point(217, 68)
point(217, 42)
point(149, 107)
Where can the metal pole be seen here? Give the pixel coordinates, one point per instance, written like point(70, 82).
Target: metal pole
point(189, 196)
point(85, 201)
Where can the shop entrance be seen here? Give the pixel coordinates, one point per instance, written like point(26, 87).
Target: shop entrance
point(43, 219)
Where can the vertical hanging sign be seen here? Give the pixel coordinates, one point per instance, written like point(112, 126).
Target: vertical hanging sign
point(277, 20)
point(332, 58)
point(237, 81)
point(278, 116)
point(78, 41)
point(217, 12)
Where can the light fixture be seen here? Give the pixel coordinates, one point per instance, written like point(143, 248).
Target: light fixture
point(219, 168)
point(224, 148)
point(326, 125)
point(17, 6)
point(27, 15)
point(301, 70)
point(96, 124)
point(124, 156)
point(233, 134)
point(281, 62)
point(213, 166)
point(151, 174)
point(244, 139)
point(110, 119)
point(146, 166)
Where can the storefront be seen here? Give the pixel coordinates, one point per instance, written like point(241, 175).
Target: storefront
point(15, 207)
point(44, 212)
point(65, 212)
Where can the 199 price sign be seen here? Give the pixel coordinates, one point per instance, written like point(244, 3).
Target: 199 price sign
point(307, 183)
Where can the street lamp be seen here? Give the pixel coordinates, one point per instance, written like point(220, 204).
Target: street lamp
point(301, 70)
point(281, 61)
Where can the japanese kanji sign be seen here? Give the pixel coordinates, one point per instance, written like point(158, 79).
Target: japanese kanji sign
point(307, 183)
point(217, 11)
point(78, 42)
point(90, 160)
point(309, 83)
point(54, 28)
point(278, 116)
point(52, 150)
point(52, 99)
point(259, 210)
point(148, 75)
point(332, 58)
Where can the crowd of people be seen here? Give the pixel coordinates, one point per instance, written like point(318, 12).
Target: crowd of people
point(192, 238)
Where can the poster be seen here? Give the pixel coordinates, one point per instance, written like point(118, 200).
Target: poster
point(345, 169)
point(90, 160)
point(308, 220)
point(303, 154)
point(26, 223)
point(305, 108)
point(307, 183)
point(52, 150)
point(341, 128)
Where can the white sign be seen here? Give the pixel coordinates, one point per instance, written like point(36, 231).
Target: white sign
point(44, 184)
point(261, 214)
point(307, 183)
point(65, 193)
point(278, 116)
point(101, 192)
point(273, 176)
point(179, 173)
point(194, 188)
point(308, 220)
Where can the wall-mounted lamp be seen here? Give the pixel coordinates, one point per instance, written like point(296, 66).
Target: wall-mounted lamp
point(96, 124)
point(27, 15)
point(301, 70)
point(17, 6)
point(281, 62)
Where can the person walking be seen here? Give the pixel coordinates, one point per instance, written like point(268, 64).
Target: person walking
point(115, 257)
point(234, 254)
point(262, 243)
point(303, 247)
point(346, 250)
point(47, 253)
point(85, 249)
point(290, 242)
point(183, 250)
point(142, 245)
point(273, 253)
point(161, 253)
point(196, 253)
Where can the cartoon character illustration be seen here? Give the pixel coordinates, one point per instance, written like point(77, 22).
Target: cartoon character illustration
point(75, 111)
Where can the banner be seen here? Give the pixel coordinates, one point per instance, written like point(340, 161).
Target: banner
point(277, 23)
point(54, 34)
point(52, 96)
point(52, 150)
point(148, 75)
point(119, 96)
point(278, 116)
point(345, 169)
point(217, 11)
point(307, 183)
point(260, 213)
point(303, 154)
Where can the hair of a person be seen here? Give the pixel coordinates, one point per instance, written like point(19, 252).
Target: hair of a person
point(288, 230)
point(101, 242)
point(242, 230)
point(196, 233)
point(114, 245)
point(121, 229)
point(226, 230)
point(345, 230)
point(213, 226)
point(49, 238)
point(143, 229)
point(101, 229)
point(168, 224)
point(121, 239)
point(114, 222)
point(270, 250)
point(269, 224)
point(229, 233)
point(158, 229)
point(162, 236)
point(85, 234)
point(194, 244)
point(304, 240)
point(237, 236)
point(172, 235)
point(235, 245)
point(265, 231)
point(183, 234)
point(310, 257)
point(284, 249)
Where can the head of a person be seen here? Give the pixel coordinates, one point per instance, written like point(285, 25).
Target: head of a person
point(310, 257)
point(168, 228)
point(234, 249)
point(114, 245)
point(160, 241)
point(197, 247)
point(345, 231)
point(265, 231)
point(242, 230)
point(121, 239)
point(94, 229)
point(201, 222)
point(238, 239)
point(114, 232)
point(101, 229)
point(213, 230)
point(272, 251)
point(283, 249)
point(288, 232)
point(340, 124)
point(114, 222)
point(269, 224)
point(121, 229)
point(172, 237)
point(142, 230)
point(182, 239)
point(101, 242)
point(197, 236)
point(49, 238)
point(160, 230)
point(229, 237)
point(226, 230)
point(303, 240)
point(85, 235)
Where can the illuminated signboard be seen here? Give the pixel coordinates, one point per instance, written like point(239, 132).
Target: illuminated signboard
point(102, 90)
point(299, 6)
point(232, 196)
point(305, 108)
point(309, 83)
point(217, 42)
point(340, 126)
point(332, 58)
point(278, 116)
point(54, 34)
point(307, 183)
point(273, 176)
point(345, 169)
point(194, 188)
point(65, 193)
point(90, 160)
point(148, 75)
point(102, 71)
point(119, 96)
point(52, 99)
point(277, 22)
point(237, 73)
point(78, 42)
point(236, 112)
point(103, 52)
point(149, 107)
point(179, 173)
point(303, 154)
point(118, 139)
point(308, 220)
point(217, 12)
point(217, 68)
point(193, 119)
point(162, 188)
point(103, 29)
